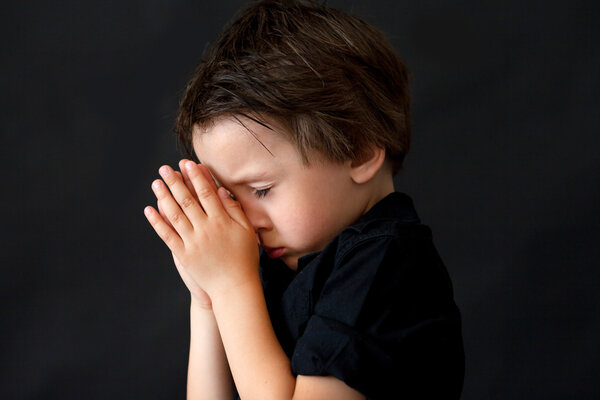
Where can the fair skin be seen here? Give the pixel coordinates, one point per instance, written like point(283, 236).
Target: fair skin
point(280, 201)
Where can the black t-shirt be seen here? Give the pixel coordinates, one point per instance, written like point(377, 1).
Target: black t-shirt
point(374, 308)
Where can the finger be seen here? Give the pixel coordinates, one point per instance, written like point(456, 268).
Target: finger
point(185, 199)
point(179, 175)
point(185, 177)
point(164, 230)
point(207, 195)
point(189, 184)
point(234, 209)
point(204, 169)
point(161, 211)
point(171, 210)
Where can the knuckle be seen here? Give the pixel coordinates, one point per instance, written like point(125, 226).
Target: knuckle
point(202, 237)
point(175, 217)
point(204, 192)
point(187, 202)
point(167, 236)
point(221, 222)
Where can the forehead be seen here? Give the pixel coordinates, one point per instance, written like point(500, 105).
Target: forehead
point(233, 148)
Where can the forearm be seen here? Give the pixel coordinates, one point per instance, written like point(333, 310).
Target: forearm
point(208, 372)
point(259, 365)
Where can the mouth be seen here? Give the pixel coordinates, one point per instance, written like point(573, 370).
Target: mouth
point(274, 252)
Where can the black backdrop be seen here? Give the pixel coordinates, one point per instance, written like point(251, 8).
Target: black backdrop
point(504, 168)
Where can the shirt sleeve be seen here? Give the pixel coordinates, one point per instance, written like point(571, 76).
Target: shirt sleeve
point(386, 323)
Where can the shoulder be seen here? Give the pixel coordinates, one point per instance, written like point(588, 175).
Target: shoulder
point(390, 240)
point(382, 238)
point(383, 310)
point(392, 219)
point(387, 249)
point(386, 269)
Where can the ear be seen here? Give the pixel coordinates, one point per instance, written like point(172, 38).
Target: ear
point(364, 170)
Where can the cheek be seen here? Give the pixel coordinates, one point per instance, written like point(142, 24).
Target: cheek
point(306, 225)
point(293, 223)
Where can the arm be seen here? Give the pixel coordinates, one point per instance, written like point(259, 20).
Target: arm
point(260, 367)
point(218, 249)
point(208, 372)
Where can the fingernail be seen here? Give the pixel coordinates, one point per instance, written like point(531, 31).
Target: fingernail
point(164, 171)
point(156, 185)
point(189, 165)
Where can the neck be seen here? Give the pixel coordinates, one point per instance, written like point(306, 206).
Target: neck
point(377, 188)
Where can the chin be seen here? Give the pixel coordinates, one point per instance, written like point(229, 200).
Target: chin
point(291, 262)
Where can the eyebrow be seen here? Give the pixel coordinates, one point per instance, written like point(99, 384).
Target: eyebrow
point(244, 180)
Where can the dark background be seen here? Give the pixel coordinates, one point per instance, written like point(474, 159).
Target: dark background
point(504, 168)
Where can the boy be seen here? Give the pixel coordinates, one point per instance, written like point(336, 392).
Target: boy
point(300, 117)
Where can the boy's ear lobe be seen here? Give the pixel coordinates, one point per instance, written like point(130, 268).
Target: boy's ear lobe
point(364, 170)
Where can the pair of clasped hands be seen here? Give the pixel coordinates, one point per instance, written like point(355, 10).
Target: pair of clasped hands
point(214, 246)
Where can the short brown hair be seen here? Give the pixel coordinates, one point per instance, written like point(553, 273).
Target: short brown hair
point(331, 78)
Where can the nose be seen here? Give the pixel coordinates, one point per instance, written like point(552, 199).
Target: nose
point(258, 217)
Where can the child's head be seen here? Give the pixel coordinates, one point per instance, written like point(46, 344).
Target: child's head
point(295, 209)
point(302, 112)
point(332, 80)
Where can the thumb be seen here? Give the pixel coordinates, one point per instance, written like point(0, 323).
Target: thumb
point(234, 209)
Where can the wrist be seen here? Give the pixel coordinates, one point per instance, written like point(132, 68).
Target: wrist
point(201, 304)
point(233, 278)
point(243, 286)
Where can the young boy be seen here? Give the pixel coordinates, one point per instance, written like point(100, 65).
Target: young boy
point(300, 118)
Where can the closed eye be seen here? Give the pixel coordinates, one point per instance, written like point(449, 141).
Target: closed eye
point(260, 193)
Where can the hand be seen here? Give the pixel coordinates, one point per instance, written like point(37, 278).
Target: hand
point(211, 237)
point(200, 296)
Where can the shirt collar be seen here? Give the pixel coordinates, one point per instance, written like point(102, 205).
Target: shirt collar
point(395, 205)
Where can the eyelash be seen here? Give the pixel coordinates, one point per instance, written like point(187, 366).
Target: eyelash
point(260, 193)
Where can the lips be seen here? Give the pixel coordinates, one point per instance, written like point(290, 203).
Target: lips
point(274, 252)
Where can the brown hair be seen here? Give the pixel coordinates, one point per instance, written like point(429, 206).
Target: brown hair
point(332, 79)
